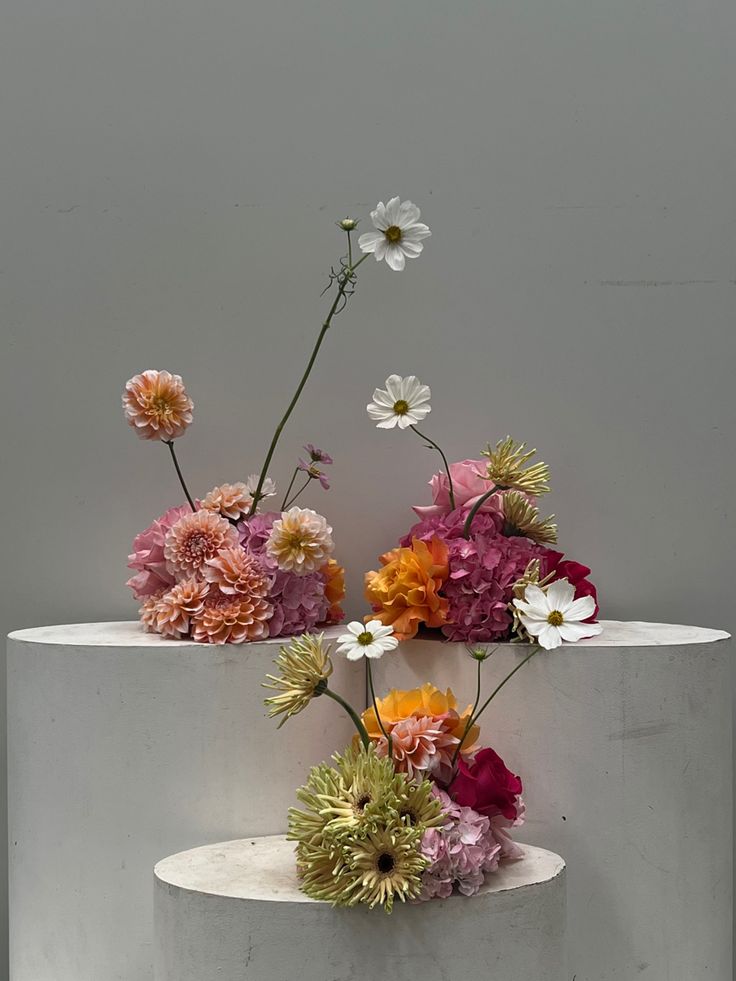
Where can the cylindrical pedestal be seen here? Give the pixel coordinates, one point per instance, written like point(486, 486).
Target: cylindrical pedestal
point(123, 747)
point(234, 912)
point(623, 743)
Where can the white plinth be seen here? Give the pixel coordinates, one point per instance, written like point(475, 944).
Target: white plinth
point(234, 912)
point(624, 746)
point(124, 747)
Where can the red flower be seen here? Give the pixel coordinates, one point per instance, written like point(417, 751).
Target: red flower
point(575, 573)
point(487, 785)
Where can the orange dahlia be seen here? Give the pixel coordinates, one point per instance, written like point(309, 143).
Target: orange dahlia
point(235, 572)
point(156, 405)
point(194, 539)
point(231, 619)
point(405, 592)
point(231, 500)
point(175, 609)
point(419, 703)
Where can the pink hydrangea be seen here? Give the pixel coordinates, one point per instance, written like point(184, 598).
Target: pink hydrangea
point(148, 557)
point(460, 852)
point(299, 602)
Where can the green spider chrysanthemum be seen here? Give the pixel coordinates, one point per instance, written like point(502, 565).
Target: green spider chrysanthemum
point(506, 468)
point(522, 519)
point(304, 667)
point(352, 810)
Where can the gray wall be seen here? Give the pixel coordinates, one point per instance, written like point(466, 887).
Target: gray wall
point(170, 175)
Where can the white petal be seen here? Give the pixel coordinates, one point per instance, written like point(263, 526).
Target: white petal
point(378, 217)
point(355, 627)
point(389, 423)
point(373, 650)
point(375, 627)
point(355, 654)
point(381, 397)
point(392, 211)
point(395, 258)
point(549, 637)
point(405, 421)
point(377, 412)
point(381, 249)
point(409, 386)
point(418, 413)
point(534, 596)
point(415, 233)
point(533, 624)
point(411, 249)
point(424, 394)
point(370, 240)
point(580, 609)
point(395, 388)
point(408, 214)
point(577, 631)
point(560, 595)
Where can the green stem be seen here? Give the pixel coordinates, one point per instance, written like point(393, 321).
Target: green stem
point(170, 444)
point(343, 282)
point(444, 460)
point(288, 489)
point(477, 506)
point(469, 724)
point(304, 486)
point(362, 731)
point(389, 740)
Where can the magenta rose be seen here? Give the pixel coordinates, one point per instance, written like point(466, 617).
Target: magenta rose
point(487, 785)
point(575, 573)
point(467, 485)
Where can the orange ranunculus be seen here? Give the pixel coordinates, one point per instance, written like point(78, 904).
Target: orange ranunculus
point(405, 592)
point(334, 577)
point(423, 702)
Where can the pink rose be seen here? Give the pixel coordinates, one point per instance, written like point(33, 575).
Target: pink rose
point(487, 785)
point(467, 485)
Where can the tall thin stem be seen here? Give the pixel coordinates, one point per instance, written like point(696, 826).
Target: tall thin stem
point(346, 277)
point(469, 724)
point(381, 726)
point(288, 489)
point(362, 731)
point(170, 444)
point(476, 508)
point(304, 486)
point(437, 447)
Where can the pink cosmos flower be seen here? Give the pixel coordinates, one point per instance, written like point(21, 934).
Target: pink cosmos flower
point(467, 485)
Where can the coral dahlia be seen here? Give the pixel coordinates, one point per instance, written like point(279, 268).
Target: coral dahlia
point(233, 619)
point(157, 406)
point(194, 539)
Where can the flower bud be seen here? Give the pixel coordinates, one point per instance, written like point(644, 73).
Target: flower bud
point(348, 224)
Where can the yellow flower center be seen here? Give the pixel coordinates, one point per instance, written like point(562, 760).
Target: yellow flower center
point(160, 406)
point(295, 540)
point(365, 638)
point(555, 618)
point(401, 407)
point(393, 234)
point(385, 863)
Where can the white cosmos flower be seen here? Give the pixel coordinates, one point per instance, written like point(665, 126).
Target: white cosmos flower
point(399, 233)
point(403, 403)
point(370, 639)
point(268, 489)
point(552, 615)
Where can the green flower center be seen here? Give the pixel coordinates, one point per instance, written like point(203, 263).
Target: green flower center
point(401, 407)
point(393, 234)
point(385, 863)
point(365, 638)
point(555, 618)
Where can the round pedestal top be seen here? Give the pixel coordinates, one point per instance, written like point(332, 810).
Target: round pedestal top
point(129, 633)
point(264, 869)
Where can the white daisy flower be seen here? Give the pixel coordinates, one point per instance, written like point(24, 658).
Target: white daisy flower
point(552, 615)
point(399, 233)
point(268, 489)
point(403, 403)
point(370, 639)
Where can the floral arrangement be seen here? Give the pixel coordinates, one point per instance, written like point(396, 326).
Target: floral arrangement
point(221, 569)
point(415, 809)
point(478, 565)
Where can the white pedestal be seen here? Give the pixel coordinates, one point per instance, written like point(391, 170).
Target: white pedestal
point(124, 747)
point(234, 912)
point(624, 746)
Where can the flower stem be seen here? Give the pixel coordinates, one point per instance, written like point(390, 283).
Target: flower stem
point(304, 486)
point(344, 280)
point(469, 724)
point(288, 489)
point(498, 687)
point(444, 460)
point(170, 444)
point(381, 726)
point(362, 731)
point(476, 508)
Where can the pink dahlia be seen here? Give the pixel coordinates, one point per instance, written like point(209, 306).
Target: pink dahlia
point(234, 619)
point(148, 555)
point(234, 571)
point(230, 500)
point(194, 539)
point(419, 745)
point(175, 609)
point(460, 853)
point(157, 406)
point(147, 611)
